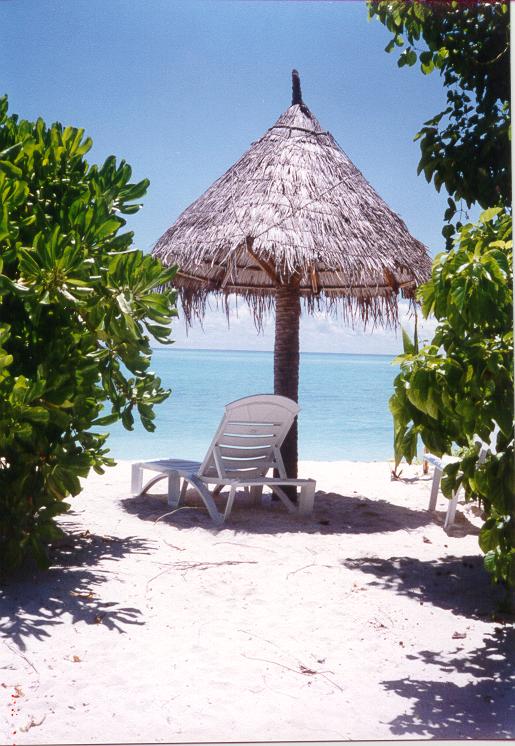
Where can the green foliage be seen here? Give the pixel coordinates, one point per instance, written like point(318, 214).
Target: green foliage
point(78, 306)
point(455, 390)
point(465, 147)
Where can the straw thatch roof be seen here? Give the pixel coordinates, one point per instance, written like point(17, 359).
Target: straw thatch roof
point(294, 209)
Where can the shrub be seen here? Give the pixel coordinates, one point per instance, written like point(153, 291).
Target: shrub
point(78, 306)
point(460, 386)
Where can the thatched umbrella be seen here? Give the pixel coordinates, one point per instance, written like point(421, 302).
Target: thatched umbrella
point(294, 219)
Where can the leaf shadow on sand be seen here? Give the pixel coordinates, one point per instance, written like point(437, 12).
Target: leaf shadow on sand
point(458, 584)
point(33, 601)
point(483, 708)
point(333, 514)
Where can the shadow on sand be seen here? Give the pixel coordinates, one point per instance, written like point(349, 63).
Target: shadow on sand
point(33, 601)
point(482, 708)
point(333, 514)
point(459, 584)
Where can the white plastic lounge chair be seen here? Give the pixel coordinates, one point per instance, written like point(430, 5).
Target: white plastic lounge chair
point(245, 448)
point(439, 465)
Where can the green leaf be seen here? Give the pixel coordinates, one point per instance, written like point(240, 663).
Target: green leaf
point(410, 347)
point(407, 57)
point(490, 562)
point(37, 414)
point(488, 537)
point(108, 419)
point(488, 215)
point(419, 11)
point(8, 168)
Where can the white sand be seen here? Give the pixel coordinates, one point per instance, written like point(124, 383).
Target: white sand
point(362, 621)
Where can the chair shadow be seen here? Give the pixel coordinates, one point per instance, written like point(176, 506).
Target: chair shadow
point(484, 708)
point(333, 514)
point(459, 584)
point(34, 601)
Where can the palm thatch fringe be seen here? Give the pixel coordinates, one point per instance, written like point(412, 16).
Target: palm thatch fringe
point(370, 311)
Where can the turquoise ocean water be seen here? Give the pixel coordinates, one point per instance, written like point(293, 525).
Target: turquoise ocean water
point(343, 399)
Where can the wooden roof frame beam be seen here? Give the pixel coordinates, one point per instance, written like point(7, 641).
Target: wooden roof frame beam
point(267, 267)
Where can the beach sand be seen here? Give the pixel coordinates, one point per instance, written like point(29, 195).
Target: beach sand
point(362, 621)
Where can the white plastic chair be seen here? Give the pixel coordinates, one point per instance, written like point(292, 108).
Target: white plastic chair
point(439, 465)
point(245, 448)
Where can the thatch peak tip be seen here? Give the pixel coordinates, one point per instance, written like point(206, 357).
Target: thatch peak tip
point(296, 97)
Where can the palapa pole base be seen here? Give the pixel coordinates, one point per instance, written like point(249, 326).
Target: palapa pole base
point(286, 366)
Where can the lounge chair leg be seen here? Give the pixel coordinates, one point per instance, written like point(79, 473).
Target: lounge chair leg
point(451, 511)
point(306, 498)
point(174, 489)
point(256, 494)
point(291, 507)
point(136, 479)
point(206, 496)
point(230, 500)
point(434, 489)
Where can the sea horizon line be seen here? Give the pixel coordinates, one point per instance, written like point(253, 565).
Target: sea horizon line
point(172, 347)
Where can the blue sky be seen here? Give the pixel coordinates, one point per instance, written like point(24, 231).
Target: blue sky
point(181, 89)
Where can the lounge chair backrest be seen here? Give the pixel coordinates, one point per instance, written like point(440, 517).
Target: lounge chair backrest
point(249, 437)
